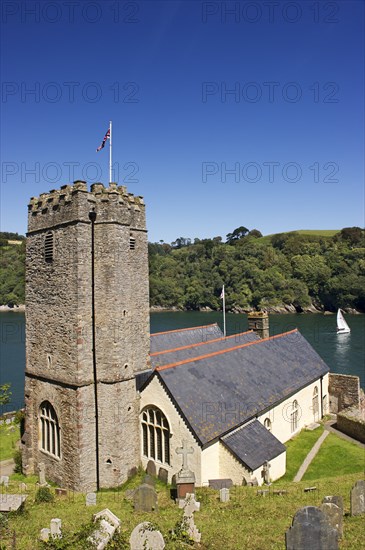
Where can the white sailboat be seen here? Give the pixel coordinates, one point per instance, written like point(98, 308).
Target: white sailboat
point(342, 326)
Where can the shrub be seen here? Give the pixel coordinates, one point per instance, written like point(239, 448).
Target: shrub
point(17, 456)
point(44, 495)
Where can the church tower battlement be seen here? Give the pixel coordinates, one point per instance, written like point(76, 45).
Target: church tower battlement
point(87, 333)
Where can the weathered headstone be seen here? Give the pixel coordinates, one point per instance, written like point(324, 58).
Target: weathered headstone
point(190, 505)
point(335, 499)
point(45, 533)
point(224, 494)
point(144, 537)
point(56, 528)
point(42, 474)
point(109, 523)
point(220, 483)
point(334, 516)
point(4, 480)
point(151, 468)
point(10, 502)
point(357, 498)
point(266, 472)
point(311, 530)
point(185, 478)
point(148, 480)
point(145, 498)
point(90, 499)
point(163, 475)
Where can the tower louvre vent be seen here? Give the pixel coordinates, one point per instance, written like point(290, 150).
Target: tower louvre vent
point(48, 247)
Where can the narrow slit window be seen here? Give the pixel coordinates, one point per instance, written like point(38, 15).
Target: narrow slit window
point(132, 243)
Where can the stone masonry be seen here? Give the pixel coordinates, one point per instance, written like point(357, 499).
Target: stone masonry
point(59, 344)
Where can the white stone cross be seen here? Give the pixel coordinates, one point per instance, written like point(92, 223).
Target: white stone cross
point(185, 451)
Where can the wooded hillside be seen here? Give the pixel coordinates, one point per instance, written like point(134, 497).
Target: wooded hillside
point(294, 271)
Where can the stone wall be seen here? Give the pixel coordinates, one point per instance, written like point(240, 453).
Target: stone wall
point(59, 330)
point(352, 423)
point(344, 391)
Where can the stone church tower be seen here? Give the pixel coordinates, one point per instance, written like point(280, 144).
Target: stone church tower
point(87, 334)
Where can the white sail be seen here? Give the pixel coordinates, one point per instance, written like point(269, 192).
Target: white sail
point(342, 326)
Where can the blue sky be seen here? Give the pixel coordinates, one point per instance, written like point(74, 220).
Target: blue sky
point(224, 113)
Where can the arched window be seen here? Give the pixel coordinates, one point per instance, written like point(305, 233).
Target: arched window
point(49, 430)
point(315, 403)
point(294, 416)
point(48, 247)
point(156, 435)
point(267, 424)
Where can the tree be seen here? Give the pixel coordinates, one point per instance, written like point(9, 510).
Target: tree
point(237, 234)
point(5, 394)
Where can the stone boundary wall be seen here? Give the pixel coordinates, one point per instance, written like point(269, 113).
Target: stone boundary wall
point(352, 423)
point(344, 391)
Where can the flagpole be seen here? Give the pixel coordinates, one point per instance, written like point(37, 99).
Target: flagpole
point(110, 152)
point(224, 312)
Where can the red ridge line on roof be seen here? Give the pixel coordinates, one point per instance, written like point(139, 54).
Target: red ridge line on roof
point(182, 329)
point(220, 352)
point(199, 343)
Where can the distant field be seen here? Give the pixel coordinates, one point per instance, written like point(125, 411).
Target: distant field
point(14, 242)
point(312, 232)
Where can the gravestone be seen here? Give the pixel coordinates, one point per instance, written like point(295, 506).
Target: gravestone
point(266, 472)
point(185, 478)
point(334, 516)
point(151, 468)
point(145, 498)
point(357, 498)
point(311, 530)
point(144, 537)
point(335, 499)
point(4, 480)
point(10, 502)
point(148, 480)
point(90, 499)
point(56, 528)
point(45, 533)
point(109, 523)
point(163, 475)
point(190, 505)
point(218, 484)
point(42, 474)
point(224, 494)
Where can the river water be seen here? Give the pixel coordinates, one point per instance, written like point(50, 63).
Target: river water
point(343, 353)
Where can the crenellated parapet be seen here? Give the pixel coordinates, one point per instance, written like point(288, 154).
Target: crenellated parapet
point(73, 203)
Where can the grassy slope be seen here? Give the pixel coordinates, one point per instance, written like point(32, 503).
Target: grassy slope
point(247, 521)
point(9, 435)
point(297, 449)
point(337, 457)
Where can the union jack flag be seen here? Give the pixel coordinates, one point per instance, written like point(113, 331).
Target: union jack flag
point(107, 136)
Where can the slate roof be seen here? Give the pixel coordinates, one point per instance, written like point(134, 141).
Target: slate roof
point(253, 445)
point(222, 390)
point(194, 350)
point(184, 337)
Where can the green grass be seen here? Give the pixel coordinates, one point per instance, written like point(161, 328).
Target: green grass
point(311, 232)
point(297, 449)
point(337, 457)
point(247, 521)
point(9, 435)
